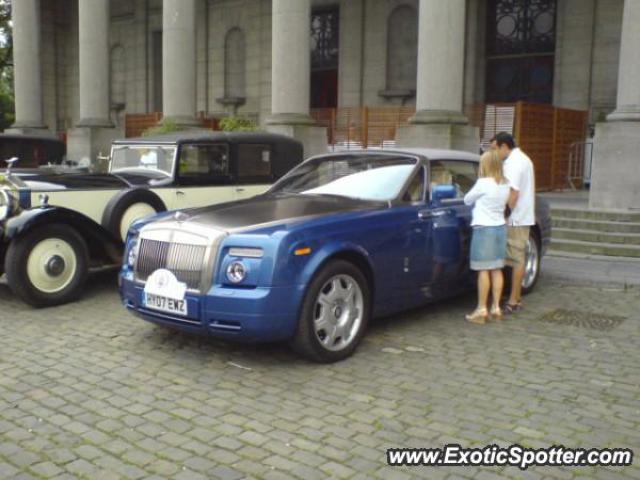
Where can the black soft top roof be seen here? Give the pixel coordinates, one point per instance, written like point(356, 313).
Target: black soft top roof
point(196, 136)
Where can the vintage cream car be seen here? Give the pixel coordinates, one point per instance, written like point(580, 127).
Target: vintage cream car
point(55, 226)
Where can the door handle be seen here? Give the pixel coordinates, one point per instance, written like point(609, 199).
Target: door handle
point(239, 189)
point(427, 214)
point(179, 192)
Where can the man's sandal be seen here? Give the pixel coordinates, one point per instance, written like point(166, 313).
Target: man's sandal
point(510, 309)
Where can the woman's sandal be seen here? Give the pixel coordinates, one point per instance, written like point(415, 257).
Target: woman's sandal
point(496, 313)
point(510, 309)
point(478, 316)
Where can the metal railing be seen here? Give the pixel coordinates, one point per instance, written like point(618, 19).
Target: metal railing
point(580, 161)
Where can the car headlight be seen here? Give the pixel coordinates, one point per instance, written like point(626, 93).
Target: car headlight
point(132, 255)
point(246, 252)
point(6, 204)
point(236, 272)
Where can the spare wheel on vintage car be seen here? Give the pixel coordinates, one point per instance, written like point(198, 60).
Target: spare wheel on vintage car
point(127, 207)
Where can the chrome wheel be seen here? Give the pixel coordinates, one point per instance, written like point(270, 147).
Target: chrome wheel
point(338, 312)
point(51, 265)
point(532, 263)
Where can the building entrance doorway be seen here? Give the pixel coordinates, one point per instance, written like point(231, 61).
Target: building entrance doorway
point(325, 43)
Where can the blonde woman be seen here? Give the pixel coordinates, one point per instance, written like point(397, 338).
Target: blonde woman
point(489, 197)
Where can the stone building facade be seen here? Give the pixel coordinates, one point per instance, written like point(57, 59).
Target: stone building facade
point(82, 64)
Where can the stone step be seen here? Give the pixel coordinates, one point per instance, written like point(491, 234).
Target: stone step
point(595, 236)
point(602, 215)
point(597, 225)
point(591, 248)
point(631, 262)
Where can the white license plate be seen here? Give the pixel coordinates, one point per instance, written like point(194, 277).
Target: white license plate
point(165, 304)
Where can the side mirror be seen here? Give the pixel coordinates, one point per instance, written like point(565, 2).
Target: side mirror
point(443, 192)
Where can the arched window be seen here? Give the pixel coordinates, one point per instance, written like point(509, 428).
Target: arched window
point(234, 64)
point(117, 79)
point(402, 49)
point(521, 43)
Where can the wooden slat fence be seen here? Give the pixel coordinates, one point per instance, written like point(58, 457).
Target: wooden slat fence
point(546, 133)
point(136, 123)
point(362, 127)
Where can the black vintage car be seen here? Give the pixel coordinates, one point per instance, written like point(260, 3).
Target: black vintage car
point(55, 225)
point(33, 150)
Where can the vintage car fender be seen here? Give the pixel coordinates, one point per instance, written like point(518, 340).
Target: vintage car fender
point(97, 237)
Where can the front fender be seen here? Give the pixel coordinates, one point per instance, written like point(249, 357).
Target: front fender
point(325, 252)
point(97, 237)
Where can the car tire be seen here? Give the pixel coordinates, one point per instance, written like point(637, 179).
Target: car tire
point(47, 266)
point(532, 266)
point(128, 207)
point(532, 263)
point(334, 314)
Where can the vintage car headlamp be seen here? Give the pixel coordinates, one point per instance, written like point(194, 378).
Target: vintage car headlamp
point(236, 272)
point(6, 204)
point(132, 255)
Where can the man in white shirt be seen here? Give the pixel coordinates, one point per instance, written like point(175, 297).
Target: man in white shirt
point(518, 169)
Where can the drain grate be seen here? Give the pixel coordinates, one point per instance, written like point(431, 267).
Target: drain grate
point(594, 321)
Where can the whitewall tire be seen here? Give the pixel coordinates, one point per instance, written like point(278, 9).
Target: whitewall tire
point(48, 265)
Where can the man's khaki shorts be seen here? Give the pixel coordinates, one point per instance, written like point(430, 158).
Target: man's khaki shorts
point(516, 245)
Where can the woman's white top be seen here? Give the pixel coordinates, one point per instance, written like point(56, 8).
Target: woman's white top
point(490, 199)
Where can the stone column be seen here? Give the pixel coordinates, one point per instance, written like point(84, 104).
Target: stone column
point(628, 98)
point(179, 61)
point(25, 15)
point(93, 18)
point(439, 121)
point(91, 140)
point(614, 183)
point(291, 75)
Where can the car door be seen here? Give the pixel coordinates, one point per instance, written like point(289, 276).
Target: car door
point(413, 265)
point(451, 223)
point(254, 167)
point(204, 176)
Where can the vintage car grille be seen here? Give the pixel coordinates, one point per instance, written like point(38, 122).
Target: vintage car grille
point(185, 261)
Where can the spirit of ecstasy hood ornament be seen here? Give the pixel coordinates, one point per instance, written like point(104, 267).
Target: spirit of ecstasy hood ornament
point(10, 163)
point(180, 217)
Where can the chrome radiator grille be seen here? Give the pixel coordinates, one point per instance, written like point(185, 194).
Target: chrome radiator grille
point(185, 261)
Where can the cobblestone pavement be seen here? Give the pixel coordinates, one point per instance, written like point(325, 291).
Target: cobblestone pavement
point(87, 391)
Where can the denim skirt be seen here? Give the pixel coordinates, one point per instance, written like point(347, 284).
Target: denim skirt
point(488, 247)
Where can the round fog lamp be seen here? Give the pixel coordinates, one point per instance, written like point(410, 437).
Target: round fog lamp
point(236, 272)
point(133, 254)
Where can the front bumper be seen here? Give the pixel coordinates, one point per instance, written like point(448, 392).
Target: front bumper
point(248, 314)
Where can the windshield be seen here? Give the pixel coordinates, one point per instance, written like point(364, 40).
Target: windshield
point(128, 158)
point(363, 177)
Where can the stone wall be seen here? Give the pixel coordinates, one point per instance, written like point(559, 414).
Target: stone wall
point(587, 53)
point(588, 38)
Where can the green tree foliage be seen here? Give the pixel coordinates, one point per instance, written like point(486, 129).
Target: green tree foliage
point(166, 126)
point(6, 66)
point(237, 124)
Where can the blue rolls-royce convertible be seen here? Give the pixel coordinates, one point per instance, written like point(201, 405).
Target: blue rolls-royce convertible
point(340, 239)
